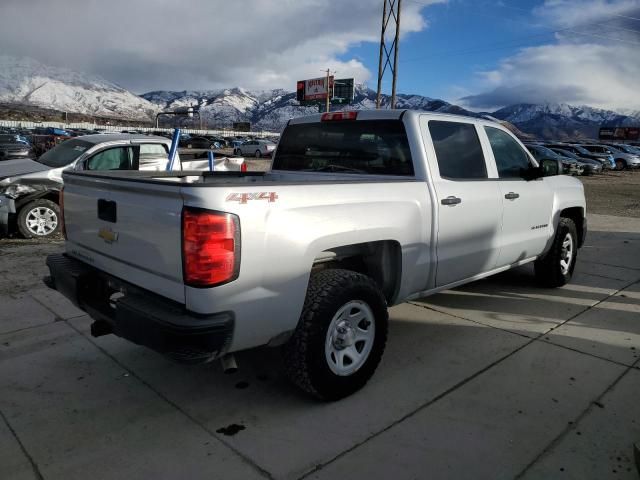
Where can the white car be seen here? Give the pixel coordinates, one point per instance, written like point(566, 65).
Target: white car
point(29, 189)
point(255, 148)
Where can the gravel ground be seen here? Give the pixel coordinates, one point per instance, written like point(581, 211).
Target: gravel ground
point(613, 193)
point(22, 262)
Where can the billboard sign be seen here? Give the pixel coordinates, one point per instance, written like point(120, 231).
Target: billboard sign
point(242, 126)
point(619, 133)
point(314, 91)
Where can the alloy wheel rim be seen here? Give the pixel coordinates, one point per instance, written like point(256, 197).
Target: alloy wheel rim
point(566, 255)
point(350, 338)
point(41, 221)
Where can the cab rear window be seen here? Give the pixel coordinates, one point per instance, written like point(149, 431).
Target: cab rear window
point(377, 147)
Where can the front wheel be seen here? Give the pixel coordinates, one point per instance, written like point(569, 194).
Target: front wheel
point(39, 218)
point(620, 164)
point(340, 337)
point(556, 267)
point(258, 154)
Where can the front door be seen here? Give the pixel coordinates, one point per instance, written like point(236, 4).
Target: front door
point(469, 205)
point(527, 205)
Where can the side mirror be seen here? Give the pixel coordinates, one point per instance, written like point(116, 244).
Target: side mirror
point(531, 173)
point(550, 167)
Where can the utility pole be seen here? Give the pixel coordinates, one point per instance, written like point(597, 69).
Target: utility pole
point(390, 10)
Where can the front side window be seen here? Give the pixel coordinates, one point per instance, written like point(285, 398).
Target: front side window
point(458, 150)
point(119, 158)
point(510, 158)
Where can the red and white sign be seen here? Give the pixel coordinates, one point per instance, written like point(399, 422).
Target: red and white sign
point(316, 88)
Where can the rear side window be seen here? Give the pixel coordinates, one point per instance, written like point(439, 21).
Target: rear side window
point(378, 147)
point(458, 150)
point(510, 158)
point(152, 153)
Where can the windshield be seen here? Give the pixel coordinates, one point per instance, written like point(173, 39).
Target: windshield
point(581, 150)
point(625, 148)
point(367, 146)
point(566, 153)
point(65, 153)
point(546, 151)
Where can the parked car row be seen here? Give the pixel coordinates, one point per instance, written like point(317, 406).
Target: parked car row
point(29, 189)
point(586, 158)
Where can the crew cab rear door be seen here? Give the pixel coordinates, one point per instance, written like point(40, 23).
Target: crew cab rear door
point(468, 201)
point(527, 205)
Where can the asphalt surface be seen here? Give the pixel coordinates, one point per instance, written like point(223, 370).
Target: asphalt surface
point(499, 379)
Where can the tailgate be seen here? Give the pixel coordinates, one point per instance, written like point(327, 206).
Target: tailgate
point(130, 229)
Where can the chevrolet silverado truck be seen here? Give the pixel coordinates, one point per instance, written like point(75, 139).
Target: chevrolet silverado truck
point(29, 189)
point(360, 211)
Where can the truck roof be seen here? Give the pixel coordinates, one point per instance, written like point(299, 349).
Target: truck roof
point(389, 115)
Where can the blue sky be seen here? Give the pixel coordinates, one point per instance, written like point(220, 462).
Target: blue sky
point(480, 54)
point(464, 39)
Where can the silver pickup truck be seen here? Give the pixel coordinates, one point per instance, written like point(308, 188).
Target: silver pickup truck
point(360, 211)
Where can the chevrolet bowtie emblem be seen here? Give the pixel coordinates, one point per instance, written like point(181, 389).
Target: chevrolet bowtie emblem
point(108, 235)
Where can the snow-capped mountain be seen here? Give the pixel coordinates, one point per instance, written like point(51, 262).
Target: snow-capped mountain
point(28, 82)
point(25, 82)
point(562, 121)
point(271, 109)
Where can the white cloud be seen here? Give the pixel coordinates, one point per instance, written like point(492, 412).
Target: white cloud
point(572, 13)
point(594, 60)
point(164, 44)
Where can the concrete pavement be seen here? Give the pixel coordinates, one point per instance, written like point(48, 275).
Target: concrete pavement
point(496, 379)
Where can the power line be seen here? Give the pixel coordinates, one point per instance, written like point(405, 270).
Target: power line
point(604, 36)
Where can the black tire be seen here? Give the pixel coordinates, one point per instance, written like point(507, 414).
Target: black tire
point(548, 269)
point(305, 360)
point(24, 212)
point(620, 164)
point(258, 154)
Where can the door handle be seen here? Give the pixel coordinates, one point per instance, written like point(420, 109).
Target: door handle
point(511, 196)
point(451, 200)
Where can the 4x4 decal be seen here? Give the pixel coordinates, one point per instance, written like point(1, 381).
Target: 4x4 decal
point(245, 197)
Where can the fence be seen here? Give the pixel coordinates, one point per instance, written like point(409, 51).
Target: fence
point(225, 132)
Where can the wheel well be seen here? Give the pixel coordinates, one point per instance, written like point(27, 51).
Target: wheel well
point(577, 215)
point(381, 260)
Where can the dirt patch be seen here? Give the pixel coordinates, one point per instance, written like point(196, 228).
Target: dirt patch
point(22, 263)
point(613, 193)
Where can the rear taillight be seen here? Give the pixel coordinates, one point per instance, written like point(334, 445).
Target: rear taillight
point(61, 203)
point(338, 116)
point(210, 247)
point(243, 167)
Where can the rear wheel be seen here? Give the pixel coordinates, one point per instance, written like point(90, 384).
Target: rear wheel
point(39, 218)
point(341, 335)
point(258, 154)
point(556, 267)
point(620, 164)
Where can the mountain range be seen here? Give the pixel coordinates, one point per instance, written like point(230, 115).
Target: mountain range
point(27, 82)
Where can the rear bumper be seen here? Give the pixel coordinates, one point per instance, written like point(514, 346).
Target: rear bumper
point(138, 315)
